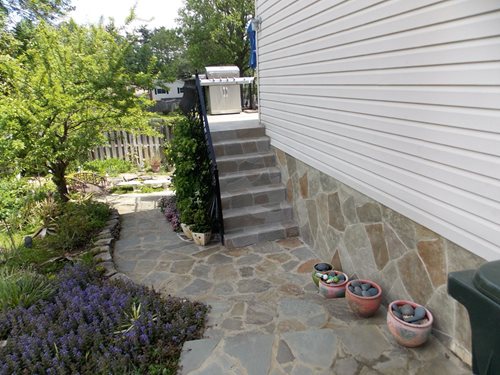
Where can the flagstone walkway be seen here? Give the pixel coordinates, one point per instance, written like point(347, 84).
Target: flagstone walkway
point(266, 316)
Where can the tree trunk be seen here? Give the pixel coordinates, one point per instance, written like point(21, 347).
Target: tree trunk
point(59, 179)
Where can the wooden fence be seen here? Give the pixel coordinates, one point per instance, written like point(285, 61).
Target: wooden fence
point(136, 148)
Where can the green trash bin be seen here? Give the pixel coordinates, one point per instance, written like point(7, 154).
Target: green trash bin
point(479, 291)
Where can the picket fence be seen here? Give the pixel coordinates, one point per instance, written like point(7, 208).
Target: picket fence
point(135, 148)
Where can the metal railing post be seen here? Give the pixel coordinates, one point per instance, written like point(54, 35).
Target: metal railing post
point(217, 203)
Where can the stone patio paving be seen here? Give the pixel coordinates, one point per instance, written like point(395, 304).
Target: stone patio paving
point(266, 316)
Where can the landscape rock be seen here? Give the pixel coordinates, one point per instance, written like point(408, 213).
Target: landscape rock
point(103, 257)
point(104, 242)
point(120, 276)
point(406, 310)
point(109, 268)
point(28, 242)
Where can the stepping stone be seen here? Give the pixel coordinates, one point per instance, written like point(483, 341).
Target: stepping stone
point(195, 353)
point(252, 351)
point(253, 286)
point(316, 348)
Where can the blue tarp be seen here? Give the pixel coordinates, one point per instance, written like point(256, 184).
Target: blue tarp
point(253, 46)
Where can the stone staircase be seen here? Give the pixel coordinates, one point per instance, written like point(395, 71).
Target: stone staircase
point(253, 197)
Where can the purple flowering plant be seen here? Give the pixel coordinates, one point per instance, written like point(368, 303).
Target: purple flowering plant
point(169, 208)
point(98, 326)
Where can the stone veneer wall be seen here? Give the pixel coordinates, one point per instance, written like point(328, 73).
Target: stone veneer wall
point(369, 240)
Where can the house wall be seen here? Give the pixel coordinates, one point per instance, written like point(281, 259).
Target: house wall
point(367, 239)
point(175, 91)
point(399, 100)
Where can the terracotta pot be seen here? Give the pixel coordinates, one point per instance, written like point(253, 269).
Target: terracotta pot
point(321, 268)
point(408, 334)
point(187, 232)
point(361, 305)
point(333, 290)
point(202, 238)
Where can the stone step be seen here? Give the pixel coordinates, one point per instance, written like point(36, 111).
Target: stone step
point(238, 163)
point(239, 134)
point(305, 352)
point(253, 195)
point(241, 146)
point(250, 216)
point(245, 179)
point(251, 235)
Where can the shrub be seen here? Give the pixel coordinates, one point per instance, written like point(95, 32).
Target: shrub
point(122, 189)
point(192, 180)
point(112, 166)
point(77, 224)
point(98, 326)
point(71, 231)
point(18, 197)
point(22, 288)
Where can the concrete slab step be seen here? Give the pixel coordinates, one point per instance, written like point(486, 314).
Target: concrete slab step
point(218, 134)
point(253, 195)
point(250, 216)
point(241, 146)
point(242, 237)
point(255, 177)
point(238, 163)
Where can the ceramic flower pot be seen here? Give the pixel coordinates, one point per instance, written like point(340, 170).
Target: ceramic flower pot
point(202, 238)
point(333, 289)
point(409, 334)
point(320, 268)
point(363, 297)
point(187, 232)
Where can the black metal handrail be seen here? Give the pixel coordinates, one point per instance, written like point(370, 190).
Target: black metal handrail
point(216, 209)
point(193, 106)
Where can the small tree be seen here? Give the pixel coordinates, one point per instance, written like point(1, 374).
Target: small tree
point(62, 92)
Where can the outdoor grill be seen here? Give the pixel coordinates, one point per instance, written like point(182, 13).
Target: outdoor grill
point(223, 89)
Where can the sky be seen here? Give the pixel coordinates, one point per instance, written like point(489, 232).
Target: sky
point(154, 13)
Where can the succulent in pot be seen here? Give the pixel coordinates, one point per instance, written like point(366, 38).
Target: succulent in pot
point(409, 322)
point(363, 297)
point(318, 270)
point(332, 284)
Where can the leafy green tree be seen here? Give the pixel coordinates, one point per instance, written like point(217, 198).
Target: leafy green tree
point(161, 50)
point(60, 94)
point(47, 10)
point(215, 32)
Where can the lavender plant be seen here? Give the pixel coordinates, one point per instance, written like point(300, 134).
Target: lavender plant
point(100, 327)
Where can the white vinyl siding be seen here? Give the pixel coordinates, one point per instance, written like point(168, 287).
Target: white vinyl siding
point(398, 99)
